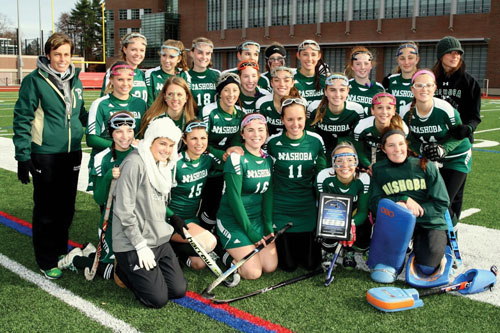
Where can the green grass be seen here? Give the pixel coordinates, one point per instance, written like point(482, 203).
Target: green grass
point(307, 306)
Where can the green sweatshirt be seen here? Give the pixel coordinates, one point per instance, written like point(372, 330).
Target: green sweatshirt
point(48, 119)
point(407, 180)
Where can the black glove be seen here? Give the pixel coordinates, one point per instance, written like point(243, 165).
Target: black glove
point(434, 151)
point(460, 132)
point(23, 171)
point(178, 223)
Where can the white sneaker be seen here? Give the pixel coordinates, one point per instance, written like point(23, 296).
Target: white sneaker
point(88, 249)
point(66, 262)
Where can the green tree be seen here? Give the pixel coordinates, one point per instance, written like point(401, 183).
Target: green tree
point(85, 21)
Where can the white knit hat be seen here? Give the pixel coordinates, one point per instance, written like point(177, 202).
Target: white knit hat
point(160, 175)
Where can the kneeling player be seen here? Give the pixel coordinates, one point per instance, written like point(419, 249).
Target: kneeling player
point(416, 185)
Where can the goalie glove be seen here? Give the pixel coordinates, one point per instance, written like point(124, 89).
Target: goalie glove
point(434, 152)
point(178, 224)
point(460, 132)
point(351, 241)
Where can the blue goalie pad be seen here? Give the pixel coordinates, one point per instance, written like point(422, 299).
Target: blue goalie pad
point(391, 299)
point(480, 280)
point(391, 235)
point(383, 274)
point(440, 277)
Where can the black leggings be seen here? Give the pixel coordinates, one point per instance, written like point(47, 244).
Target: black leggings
point(455, 184)
point(298, 248)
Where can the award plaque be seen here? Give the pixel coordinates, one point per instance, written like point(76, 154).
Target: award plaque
point(334, 216)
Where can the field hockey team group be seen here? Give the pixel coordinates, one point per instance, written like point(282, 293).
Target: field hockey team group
point(233, 157)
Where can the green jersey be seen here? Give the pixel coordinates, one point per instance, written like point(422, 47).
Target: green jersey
point(367, 142)
point(407, 180)
point(203, 86)
point(359, 188)
point(223, 128)
point(434, 127)
point(155, 79)
point(363, 94)
point(400, 88)
point(247, 197)
point(249, 102)
point(336, 127)
point(305, 86)
point(191, 176)
point(139, 89)
point(100, 111)
point(101, 175)
point(265, 106)
point(296, 163)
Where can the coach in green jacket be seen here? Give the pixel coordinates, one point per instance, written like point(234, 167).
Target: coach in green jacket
point(48, 127)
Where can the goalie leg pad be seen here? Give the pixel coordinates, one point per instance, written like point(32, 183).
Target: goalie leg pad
point(391, 235)
point(383, 274)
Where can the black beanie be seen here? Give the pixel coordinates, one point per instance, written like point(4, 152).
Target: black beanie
point(447, 45)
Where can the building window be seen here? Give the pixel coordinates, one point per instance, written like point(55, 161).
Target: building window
point(256, 13)
point(232, 59)
point(214, 17)
point(109, 15)
point(148, 11)
point(135, 14)
point(110, 32)
point(234, 12)
point(399, 8)
point(306, 11)
point(281, 12)
point(123, 32)
point(435, 7)
point(334, 10)
point(110, 50)
point(364, 10)
point(335, 58)
point(473, 6)
point(217, 60)
point(135, 30)
point(122, 14)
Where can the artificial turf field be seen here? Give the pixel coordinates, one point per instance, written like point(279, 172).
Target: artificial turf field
point(305, 306)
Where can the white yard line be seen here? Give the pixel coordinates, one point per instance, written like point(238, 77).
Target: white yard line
point(487, 130)
point(87, 308)
point(469, 212)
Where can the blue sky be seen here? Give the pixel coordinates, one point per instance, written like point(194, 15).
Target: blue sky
point(29, 16)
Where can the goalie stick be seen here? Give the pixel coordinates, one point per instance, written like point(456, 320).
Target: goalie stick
point(265, 290)
point(90, 273)
point(207, 259)
point(207, 292)
point(329, 275)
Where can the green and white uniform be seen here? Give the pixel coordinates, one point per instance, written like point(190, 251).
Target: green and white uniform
point(407, 180)
point(363, 94)
point(203, 85)
point(367, 142)
point(155, 79)
point(100, 111)
point(191, 176)
point(263, 82)
point(265, 106)
point(305, 86)
point(336, 127)
point(359, 188)
point(246, 208)
point(139, 89)
point(434, 127)
point(296, 164)
point(101, 175)
point(249, 103)
point(400, 88)
point(223, 128)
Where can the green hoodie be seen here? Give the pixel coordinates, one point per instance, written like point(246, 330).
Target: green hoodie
point(49, 115)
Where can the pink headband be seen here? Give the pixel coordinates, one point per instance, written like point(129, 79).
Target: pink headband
point(114, 72)
point(375, 98)
point(421, 72)
point(251, 117)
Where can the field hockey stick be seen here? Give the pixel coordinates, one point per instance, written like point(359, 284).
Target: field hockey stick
point(90, 273)
point(329, 275)
point(207, 293)
point(207, 259)
point(392, 299)
point(265, 290)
